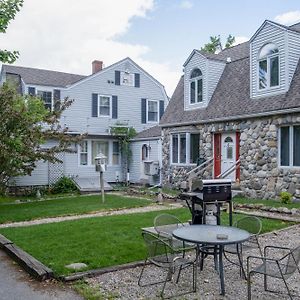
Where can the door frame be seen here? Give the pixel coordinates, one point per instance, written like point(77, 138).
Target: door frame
point(217, 153)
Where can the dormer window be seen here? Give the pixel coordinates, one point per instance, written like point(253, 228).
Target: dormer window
point(268, 66)
point(196, 86)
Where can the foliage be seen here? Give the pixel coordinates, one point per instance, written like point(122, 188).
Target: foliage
point(8, 10)
point(285, 197)
point(25, 125)
point(124, 134)
point(64, 185)
point(88, 292)
point(98, 242)
point(215, 44)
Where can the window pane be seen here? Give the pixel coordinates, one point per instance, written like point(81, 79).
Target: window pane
point(194, 150)
point(199, 90)
point(175, 149)
point(229, 152)
point(182, 148)
point(285, 146)
point(152, 111)
point(192, 91)
point(116, 153)
point(83, 149)
point(98, 147)
point(263, 74)
point(196, 73)
point(104, 106)
point(274, 69)
point(296, 148)
point(46, 97)
point(268, 49)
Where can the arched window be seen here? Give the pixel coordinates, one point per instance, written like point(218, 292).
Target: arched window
point(196, 86)
point(268, 66)
point(144, 152)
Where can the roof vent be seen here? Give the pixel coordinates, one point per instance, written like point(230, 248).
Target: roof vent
point(228, 59)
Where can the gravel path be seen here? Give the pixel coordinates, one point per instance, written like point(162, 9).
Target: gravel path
point(92, 215)
point(123, 284)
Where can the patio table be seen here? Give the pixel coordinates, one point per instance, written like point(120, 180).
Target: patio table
point(214, 235)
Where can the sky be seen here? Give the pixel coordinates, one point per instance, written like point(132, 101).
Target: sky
point(159, 35)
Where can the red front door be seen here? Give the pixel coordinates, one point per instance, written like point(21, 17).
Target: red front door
point(217, 154)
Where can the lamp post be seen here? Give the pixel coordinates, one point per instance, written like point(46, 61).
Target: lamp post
point(101, 162)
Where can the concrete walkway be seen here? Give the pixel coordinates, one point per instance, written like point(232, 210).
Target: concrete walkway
point(92, 215)
point(16, 284)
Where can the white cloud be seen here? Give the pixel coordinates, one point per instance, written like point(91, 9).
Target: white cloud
point(240, 40)
point(186, 4)
point(288, 18)
point(68, 35)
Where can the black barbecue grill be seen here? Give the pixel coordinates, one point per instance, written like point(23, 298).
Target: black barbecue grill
point(211, 192)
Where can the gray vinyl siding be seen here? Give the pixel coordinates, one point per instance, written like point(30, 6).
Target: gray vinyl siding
point(293, 53)
point(215, 70)
point(78, 116)
point(197, 61)
point(137, 166)
point(211, 72)
point(40, 175)
point(268, 34)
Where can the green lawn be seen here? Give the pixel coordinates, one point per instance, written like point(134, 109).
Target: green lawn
point(98, 242)
point(66, 206)
point(272, 203)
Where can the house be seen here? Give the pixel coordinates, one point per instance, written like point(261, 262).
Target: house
point(239, 112)
point(122, 94)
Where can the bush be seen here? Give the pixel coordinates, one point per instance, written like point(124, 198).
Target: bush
point(64, 185)
point(285, 197)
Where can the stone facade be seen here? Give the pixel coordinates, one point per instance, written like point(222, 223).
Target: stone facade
point(260, 174)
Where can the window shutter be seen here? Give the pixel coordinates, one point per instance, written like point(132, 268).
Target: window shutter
point(114, 107)
point(137, 80)
point(56, 98)
point(94, 105)
point(117, 77)
point(161, 108)
point(144, 110)
point(31, 91)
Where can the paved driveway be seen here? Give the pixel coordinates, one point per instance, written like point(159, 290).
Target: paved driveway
point(15, 284)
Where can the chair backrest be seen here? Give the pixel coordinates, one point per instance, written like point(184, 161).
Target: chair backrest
point(251, 224)
point(159, 252)
point(165, 224)
point(293, 260)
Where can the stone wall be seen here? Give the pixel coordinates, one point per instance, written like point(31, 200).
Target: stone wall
point(261, 177)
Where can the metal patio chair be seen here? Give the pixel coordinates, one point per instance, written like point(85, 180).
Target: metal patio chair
point(281, 268)
point(164, 225)
point(161, 254)
point(253, 225)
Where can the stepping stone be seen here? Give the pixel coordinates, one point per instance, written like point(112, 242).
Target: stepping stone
point(76, 266)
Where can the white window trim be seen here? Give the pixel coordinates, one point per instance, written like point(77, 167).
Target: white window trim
point(268, 87)
point(291, 156)
point(112, 153)
point(122, 73)
point(52, 95)
point(187, 147)
point(147, 106)
point(89, 152)
point(80, 152)
point(110, 106)
point(195, 79)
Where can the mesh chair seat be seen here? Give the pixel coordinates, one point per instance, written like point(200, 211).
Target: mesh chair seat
point(274, 269)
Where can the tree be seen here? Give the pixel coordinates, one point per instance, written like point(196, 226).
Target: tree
point(8, 10)
point(215, 44)
point(25, 126)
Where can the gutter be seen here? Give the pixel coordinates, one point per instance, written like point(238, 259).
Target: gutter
point(146, 138)
point(234, 118)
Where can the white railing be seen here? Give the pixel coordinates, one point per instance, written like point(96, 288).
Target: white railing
point(201, 167)
point(229, 170)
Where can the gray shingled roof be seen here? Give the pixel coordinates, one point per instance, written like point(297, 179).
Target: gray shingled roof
point(154, 131)
point(231, 98)
point(296, 27)
point(43, 77)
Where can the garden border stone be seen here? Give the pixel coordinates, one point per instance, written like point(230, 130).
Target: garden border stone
point(25, 260)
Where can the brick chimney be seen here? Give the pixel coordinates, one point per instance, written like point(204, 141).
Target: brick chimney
point(96, 66)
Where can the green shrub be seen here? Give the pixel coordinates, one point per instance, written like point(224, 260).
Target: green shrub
point(285, 197)
point(64, 185)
